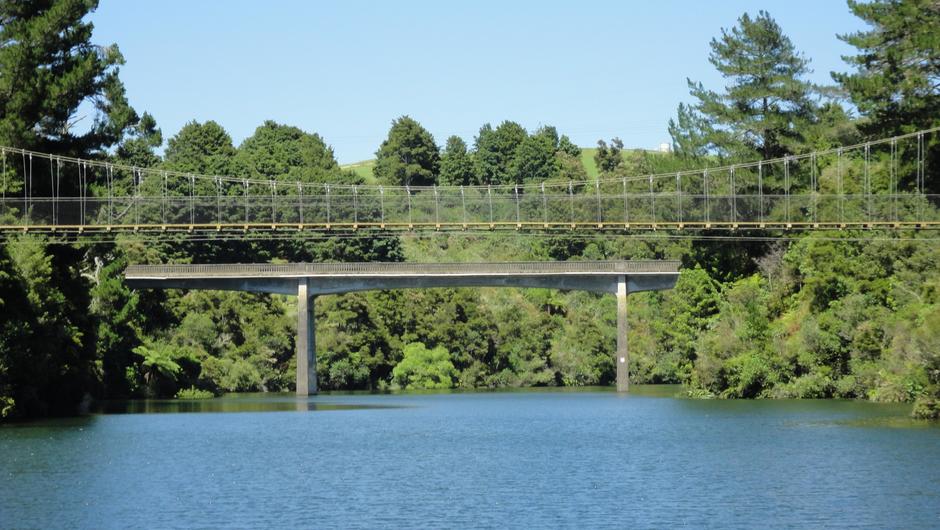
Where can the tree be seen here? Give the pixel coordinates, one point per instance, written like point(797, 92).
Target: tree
point(115, 308)
point(47, 351)
point(690, 133)
point(50, 72)
point(409, 156)
point(139, 148)
point(608, 159)
point(534, 160)
point(282, 152)
point(49, 69)
point(424, 368)
point(897, 81)
point(767, 104)
point(566, 146)
point(456, 164)
point(550, 133)
point(162, 364)
point(495, 151)
point(201, 148)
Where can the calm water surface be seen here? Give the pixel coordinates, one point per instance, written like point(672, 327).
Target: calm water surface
point(524, 459)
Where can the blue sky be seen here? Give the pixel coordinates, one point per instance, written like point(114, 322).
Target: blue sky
point(346, 69)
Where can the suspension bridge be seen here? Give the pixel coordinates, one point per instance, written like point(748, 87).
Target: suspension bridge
point(876, 184)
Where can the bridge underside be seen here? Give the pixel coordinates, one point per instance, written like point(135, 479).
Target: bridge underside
point(307, 281)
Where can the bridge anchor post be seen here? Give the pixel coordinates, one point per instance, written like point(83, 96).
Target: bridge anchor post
point(623, 353)
point(306, 341)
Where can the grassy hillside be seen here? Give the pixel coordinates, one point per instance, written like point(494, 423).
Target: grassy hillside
point(587, 159)
point(363, 169)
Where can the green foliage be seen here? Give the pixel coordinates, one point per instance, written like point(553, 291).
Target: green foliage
point(193, 393)
point(162, 366)
point(609, 159)
point(456, 164)
point(534, 160)
point(691, 133)
point(352, 345)
point(897, 65)
point(49, 68)
point(242, 342)
point(495, 151)
point(138, 148)
point(421, 368)
point(282, 152)
point(567, 147)
point(201, 148)
point(46, 338)
point(115, 308)
point(766, 107)
point(409, 156)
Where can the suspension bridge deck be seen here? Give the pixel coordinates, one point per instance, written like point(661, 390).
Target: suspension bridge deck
point(877, 184)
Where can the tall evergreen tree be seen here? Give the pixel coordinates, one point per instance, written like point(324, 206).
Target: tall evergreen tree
point(495, 151)
point(50, 67)
point(767, 104)
point(50, 71)
point(409, 156)
point(690, 132)
point(897, 81)
point(456, 164)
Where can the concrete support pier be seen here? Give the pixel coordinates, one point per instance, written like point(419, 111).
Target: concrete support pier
point(306, 341)
point(623, 352)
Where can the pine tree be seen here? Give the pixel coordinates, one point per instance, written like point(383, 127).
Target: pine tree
point(50, 67)
point(897, 82)
point(767, 104)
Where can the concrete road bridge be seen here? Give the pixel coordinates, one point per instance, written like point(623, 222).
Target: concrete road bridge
point(308, 280)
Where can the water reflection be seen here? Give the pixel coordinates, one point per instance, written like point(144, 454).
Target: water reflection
point(232, 403)
point(281, 402)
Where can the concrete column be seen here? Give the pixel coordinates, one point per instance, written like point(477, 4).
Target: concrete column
point(623, 353)
point(306, 341)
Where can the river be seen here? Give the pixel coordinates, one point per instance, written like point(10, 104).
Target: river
point(529, 459)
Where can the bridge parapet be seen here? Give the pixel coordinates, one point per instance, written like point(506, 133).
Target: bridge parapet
point(523, 268)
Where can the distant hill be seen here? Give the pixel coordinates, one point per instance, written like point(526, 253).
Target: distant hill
point(363, 169)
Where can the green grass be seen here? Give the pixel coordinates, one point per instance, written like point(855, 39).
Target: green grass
point(587, 159)
point(363, 169)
